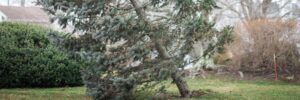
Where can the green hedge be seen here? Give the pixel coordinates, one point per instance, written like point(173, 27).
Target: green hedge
point(28, 59)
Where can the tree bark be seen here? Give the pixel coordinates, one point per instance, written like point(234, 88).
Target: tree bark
point(180, 83)
point(22, 3)
point(265, 5)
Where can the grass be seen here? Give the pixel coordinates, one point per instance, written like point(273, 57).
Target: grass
point(244, 90)
point(68, 93)
point(221, 90)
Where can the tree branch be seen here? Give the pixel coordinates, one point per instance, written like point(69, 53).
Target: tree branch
point(142, 15)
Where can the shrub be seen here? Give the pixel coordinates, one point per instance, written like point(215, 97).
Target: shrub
point(28, 59)
point(222, 58)
point(264, 40)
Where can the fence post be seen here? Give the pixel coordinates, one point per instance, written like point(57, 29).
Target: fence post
point(275, 68)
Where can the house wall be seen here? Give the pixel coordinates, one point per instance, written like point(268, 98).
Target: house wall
point(28, 3)
point(2, 17)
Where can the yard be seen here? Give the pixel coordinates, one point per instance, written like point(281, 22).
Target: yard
point(217, 89)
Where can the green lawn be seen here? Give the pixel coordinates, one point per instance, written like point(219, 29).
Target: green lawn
point(220, 90)
point(72, 93)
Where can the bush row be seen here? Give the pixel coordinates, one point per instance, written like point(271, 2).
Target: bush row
point(28, 59)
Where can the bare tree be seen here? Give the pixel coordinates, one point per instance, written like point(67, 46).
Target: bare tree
point(247, 10)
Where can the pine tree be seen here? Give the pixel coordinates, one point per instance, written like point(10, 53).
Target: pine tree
point(156, 33)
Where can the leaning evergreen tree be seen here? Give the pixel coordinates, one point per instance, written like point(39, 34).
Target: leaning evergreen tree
point(156, 35)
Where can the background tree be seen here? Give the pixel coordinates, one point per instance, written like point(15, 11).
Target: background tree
point(156, 35)
point(247, 10)
point(265, 35)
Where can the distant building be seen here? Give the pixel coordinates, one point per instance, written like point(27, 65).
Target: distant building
point(22, 11)
point(24, 3)
point(24, 14)
point(35, 15)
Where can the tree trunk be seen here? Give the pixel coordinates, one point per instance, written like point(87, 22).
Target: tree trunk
point(181, 85)
point(265, 5)
point(22, 3)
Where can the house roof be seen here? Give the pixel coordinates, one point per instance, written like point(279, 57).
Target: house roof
point(25, 14)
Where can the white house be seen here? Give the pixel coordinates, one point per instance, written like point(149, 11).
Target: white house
point(24, 14)
point(30, 14)
point(25, 3)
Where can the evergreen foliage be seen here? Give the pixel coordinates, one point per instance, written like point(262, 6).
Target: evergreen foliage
point(156, 33)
